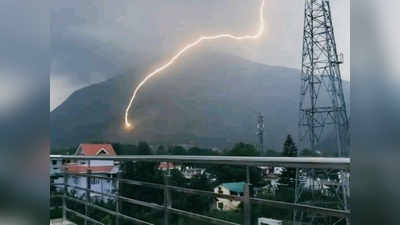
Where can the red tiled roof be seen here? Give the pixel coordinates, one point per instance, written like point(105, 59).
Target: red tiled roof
point(93, 149)
point(165, 165)
point(74, 168)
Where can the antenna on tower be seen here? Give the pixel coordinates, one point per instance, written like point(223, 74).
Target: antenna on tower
point(260, 132)
point(321, 80)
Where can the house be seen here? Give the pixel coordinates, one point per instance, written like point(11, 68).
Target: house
point(104, 170)
point(56, 174)
point(189, 172)
point(271, 171)
point(235, 188)
point(56, 167)
point(164, 166)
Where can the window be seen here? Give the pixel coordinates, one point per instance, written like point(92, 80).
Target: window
point(54, 162)
point(102, 152)
point(94, 180)
point(220, 205)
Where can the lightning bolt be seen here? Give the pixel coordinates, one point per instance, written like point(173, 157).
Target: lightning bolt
point(186, 48)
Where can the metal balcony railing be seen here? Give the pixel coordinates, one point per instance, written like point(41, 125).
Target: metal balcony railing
point(342, 164)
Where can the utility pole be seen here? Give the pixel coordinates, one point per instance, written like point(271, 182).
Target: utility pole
point(260, 132)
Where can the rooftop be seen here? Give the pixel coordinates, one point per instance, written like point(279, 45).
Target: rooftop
point(235, 186)
point(95, 149)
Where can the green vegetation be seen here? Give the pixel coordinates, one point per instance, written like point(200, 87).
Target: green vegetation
point(63, 151)
point(289, 174)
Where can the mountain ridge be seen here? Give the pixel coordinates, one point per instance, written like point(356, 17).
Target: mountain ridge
point(208, 98)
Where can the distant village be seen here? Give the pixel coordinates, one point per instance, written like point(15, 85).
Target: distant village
point(103, 184)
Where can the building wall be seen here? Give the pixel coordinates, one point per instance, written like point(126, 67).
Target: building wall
point(97, 162)
point(96, 184)
point(55, 166)
point(226, 204)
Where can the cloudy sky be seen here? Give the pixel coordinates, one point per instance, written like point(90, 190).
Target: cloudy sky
point(95, 40)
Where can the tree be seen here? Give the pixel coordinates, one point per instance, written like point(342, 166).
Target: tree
point(308, 153)
point(125, 149)
point(288, 176)
point(201, 151)
point(63, 151)
point(228, 173)
point(289, 148)
point(107, 220)
point(242, 149)
point(177, 150)
point(161, 150)
point(143, 148)
point(272, 153)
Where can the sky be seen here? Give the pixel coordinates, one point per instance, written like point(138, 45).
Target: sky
point(94, 40)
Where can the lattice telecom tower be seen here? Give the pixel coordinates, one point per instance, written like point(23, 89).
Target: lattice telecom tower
point(260, 132)
point(322, 108)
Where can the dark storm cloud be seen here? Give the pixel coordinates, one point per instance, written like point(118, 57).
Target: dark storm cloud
point(95, 40)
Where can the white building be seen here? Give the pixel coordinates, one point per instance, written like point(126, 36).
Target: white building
point(271, 171)
point(104, 170)
point(267, 221)
point(164, 166)
point(187, 171)
point(235, 188)
point(56, 167)
point(325, 186)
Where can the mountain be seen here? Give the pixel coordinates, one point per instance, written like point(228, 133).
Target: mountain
point(208, 99)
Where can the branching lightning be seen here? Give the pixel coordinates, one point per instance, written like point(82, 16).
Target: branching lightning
point(186, 48)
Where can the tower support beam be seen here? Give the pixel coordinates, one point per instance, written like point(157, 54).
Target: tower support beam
point(318, 119)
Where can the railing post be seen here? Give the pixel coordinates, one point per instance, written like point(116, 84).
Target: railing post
point(167, 197)
point(88, 187)
point(246, 201)
point(64, 204)
point(117, 197)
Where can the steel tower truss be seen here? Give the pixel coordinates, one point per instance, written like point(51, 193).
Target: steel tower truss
point(319, 118)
